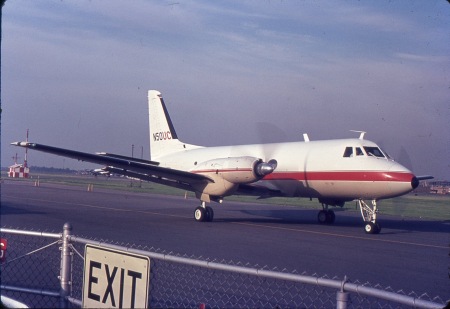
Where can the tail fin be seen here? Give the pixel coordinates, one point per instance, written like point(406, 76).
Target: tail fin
point(163, 137)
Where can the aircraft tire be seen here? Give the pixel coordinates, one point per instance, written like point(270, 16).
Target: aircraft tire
point(369, 227)
point(372, 228)
point(322, 217)
point(378, 228)
point(331, 217)
point(209, 214)
point(326, 216)
point(199, 214)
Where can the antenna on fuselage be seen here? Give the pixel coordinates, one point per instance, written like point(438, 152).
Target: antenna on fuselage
point(361, 135)
point(306, 137)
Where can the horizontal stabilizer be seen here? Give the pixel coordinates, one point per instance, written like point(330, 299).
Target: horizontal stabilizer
point(425, 177)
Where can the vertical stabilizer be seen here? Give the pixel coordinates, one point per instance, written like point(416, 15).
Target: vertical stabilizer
point(163, 137)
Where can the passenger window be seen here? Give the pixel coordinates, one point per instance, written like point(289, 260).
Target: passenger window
point(348, 152)
point(359, 152)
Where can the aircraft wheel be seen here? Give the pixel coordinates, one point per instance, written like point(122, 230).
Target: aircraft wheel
point(331, 217)
point(372, 228)
point(200, 214)
point(209, 214)
point(369, 228)
point(322, 217)
point(377, 228)
point(326, 216)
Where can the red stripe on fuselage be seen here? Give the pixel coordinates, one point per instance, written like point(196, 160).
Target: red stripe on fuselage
point(327, 175)
point(342, 176)
point(222, 171)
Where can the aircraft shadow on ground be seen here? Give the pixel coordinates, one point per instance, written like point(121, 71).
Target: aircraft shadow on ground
point(8, 209)
point(389, 224)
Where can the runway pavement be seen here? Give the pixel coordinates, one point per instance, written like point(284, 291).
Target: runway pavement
point(409, 254)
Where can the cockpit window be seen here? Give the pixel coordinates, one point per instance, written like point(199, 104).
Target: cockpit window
point(370, 151)
point(374, 152)
point(348, 152)
point(386, 154)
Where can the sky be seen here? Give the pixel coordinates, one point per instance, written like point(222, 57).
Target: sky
point(76, 74)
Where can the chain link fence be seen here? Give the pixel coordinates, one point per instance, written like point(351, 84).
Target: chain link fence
point(46, 270)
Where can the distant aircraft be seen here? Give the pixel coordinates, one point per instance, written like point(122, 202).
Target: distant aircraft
point(333, 171)
point(98, 171)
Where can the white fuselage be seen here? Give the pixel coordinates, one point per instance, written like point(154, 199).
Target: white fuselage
point(315, 169)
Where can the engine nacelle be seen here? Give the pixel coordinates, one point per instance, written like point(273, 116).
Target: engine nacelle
point(228, 173)
point(236, 170)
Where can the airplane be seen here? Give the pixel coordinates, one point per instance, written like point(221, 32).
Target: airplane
point(98, 171)
point(333, 171)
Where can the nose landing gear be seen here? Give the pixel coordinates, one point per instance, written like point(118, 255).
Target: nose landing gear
point(369, 215)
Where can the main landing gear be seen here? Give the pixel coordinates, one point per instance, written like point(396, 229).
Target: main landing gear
point(204, 213)
point(326, 216)
point(369, 215)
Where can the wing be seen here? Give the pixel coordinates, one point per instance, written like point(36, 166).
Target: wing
point(132, 167)
point(148, 170)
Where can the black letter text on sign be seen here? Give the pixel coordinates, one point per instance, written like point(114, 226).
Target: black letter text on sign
point(115, 279)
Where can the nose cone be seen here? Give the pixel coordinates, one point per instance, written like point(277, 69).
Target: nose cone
point(414, 182)
point(401, 180)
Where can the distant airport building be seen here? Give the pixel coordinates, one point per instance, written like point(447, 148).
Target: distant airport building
point(18, 171)
point(433, 187)
point(440, 187)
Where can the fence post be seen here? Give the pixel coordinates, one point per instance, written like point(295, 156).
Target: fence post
point(66, 269)
point(342, 297)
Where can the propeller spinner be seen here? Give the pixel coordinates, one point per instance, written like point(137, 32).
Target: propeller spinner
point(262, 169)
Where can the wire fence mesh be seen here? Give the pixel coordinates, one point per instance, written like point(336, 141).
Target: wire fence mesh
point(33, 265)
